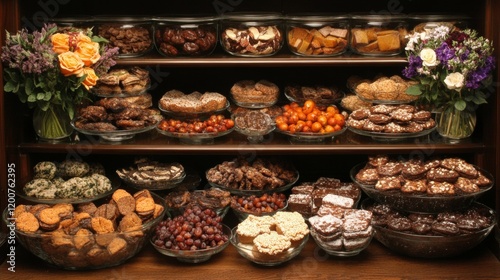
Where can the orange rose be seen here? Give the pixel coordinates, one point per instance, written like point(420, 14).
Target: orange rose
point(70, 64)
point(60, 42)
point(83, 38)
point(88, 52)
point(90, 79)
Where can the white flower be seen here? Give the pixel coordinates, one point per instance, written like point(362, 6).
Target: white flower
point(428, 57)
point(454, 81)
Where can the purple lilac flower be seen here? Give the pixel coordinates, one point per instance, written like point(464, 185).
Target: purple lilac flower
point(414, 63)
point(474, 79)
point(444, 54)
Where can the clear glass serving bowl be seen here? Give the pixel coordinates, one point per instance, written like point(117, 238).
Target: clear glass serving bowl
point(340, 252)
point(62, 252)
point(114, 135)
point(256, 191)
point(194, 256)
point(311, 136)
point(250, 253)
point(430, 246)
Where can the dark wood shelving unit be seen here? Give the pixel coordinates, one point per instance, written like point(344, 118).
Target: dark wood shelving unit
point(331, 157)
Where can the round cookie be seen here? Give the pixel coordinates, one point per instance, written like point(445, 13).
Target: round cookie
point(27, 222)
point(45, 170)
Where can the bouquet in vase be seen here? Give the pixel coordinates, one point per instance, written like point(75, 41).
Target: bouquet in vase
point(453, 69)
point(53, 71)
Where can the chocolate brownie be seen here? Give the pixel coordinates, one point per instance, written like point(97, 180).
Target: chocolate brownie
point(327, 209)
point(304, 188)
point(299, 202)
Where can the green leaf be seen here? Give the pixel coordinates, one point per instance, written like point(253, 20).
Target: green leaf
point(460, 105)
point(48, 96)
point(29, 86)
point(40, 96)
point(414, 90)
point(479, 100)
point(31, 98)
point(11, 87)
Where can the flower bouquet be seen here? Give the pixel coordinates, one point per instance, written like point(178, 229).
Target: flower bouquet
point(454, 71)
point(53, 73)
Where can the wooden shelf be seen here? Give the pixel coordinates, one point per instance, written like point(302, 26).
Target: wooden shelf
point(376, 262)
point(275, 143)
point(282, 59)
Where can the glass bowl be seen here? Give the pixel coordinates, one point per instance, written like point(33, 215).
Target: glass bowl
point(192, 115)
point(194, 256)
point(341, 252)
point(152, 184)
point(391, 137)
point(378, 35)
point(311, 136)
point(421, 203)
point(296, 94)
point(132, 35)
point(220, 204)
point(195, 138)
point(114, 135)
point(242, 213)
point(431, 246)
point(251, 34)
point(185, 35)
point(253, 124)
point(72, 252)
point(255, 191)
point(250, 253)
point(317, 35)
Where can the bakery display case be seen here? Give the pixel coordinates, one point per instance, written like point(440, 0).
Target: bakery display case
point(218, 71)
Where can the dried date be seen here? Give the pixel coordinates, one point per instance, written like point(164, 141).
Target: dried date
point(187, 41)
